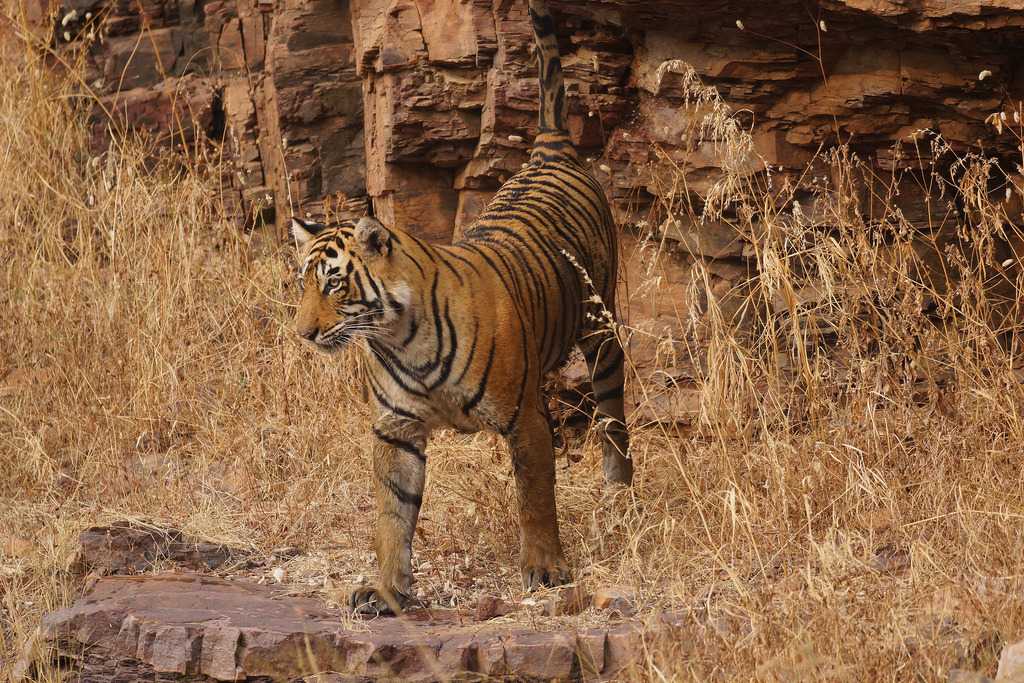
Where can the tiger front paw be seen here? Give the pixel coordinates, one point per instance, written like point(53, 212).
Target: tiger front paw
point(369, 601)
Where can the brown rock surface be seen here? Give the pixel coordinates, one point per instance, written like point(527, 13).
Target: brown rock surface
point(445, 84)
point(422, 108)
point(616, 599)
point(191, 627)
point(125, 547)
point(489, 607)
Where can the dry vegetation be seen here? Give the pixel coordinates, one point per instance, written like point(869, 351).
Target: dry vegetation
point(855, 515)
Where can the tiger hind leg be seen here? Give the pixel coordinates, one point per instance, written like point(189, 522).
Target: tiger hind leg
point(605, 360)
point(533, 463)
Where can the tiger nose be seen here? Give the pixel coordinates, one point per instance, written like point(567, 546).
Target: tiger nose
point(309, 333)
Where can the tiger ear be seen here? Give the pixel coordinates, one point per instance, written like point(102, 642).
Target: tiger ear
point(303, 232)
point(373, 237)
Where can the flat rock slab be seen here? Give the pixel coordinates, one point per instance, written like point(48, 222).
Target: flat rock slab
point(192, 627)
point(126, 547)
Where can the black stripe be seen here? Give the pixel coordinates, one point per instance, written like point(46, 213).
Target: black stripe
point(511, 424)
point(559, 105)
point(566, 188)
point(602, 375)
point(503, 254)
point(400, 444)
point(553, 261)
point(522, 390)
point(571, 292)
point(555, 145)
point(435, 309)
point(402, 495)
point(614, 392)
point(527, 214)
point(393, 366)
point(494, 266)
point(541, 217)
point(388, 405)
point(543, 24)
point(414, 262)
point(463, 259)
point(521, 277)
point(443, 258)
point(472, 351)
point(414, 327)
point(554, 65)
point(373, 286)
point(446, 364)
point(475, 399)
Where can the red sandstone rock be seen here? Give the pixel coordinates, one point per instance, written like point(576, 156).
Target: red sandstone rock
point(133, 63)
point(543, 656)
point(490, 607)
point(590, 647)
point(179, 110)
point(624, 647)
point(200, 628)
point(445, 84)
point(616, 599)
point(229, 46)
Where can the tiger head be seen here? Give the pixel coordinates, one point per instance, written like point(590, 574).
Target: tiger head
point(350, 289)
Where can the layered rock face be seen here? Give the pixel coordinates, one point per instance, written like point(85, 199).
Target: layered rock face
point(424, 107)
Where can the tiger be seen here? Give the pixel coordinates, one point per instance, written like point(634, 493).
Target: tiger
point(462, 335)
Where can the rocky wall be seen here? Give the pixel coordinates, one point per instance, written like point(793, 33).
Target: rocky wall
point(424, 107)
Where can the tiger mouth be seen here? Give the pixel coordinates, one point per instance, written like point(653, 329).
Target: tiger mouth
point(334, 344)
point(338, 341)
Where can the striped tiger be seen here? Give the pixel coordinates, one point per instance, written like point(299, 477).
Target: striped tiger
point(462, 336)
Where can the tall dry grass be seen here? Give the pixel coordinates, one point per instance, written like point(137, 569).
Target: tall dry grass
point(848, 504)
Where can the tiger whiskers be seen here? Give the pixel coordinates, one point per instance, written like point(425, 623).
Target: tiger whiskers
point(365, 325)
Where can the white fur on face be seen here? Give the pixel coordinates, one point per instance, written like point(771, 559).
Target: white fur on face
point(402, 293)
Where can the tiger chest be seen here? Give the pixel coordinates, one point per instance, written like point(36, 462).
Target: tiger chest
point(405, 395)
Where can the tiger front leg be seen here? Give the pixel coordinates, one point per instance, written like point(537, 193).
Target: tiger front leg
point(533, 462)
point(399, 472)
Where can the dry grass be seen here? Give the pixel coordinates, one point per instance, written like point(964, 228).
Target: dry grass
point(855, 515)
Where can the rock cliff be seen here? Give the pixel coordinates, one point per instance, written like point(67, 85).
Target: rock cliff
point(424, 107)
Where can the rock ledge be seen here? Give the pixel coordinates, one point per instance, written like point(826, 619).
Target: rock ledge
point(192, 627)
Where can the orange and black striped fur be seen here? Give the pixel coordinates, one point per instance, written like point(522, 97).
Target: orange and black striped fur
point(462, 336)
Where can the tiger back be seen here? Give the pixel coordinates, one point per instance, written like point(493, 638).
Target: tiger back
point(462, 335)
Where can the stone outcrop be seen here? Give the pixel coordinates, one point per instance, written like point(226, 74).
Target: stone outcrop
point(190, 627)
